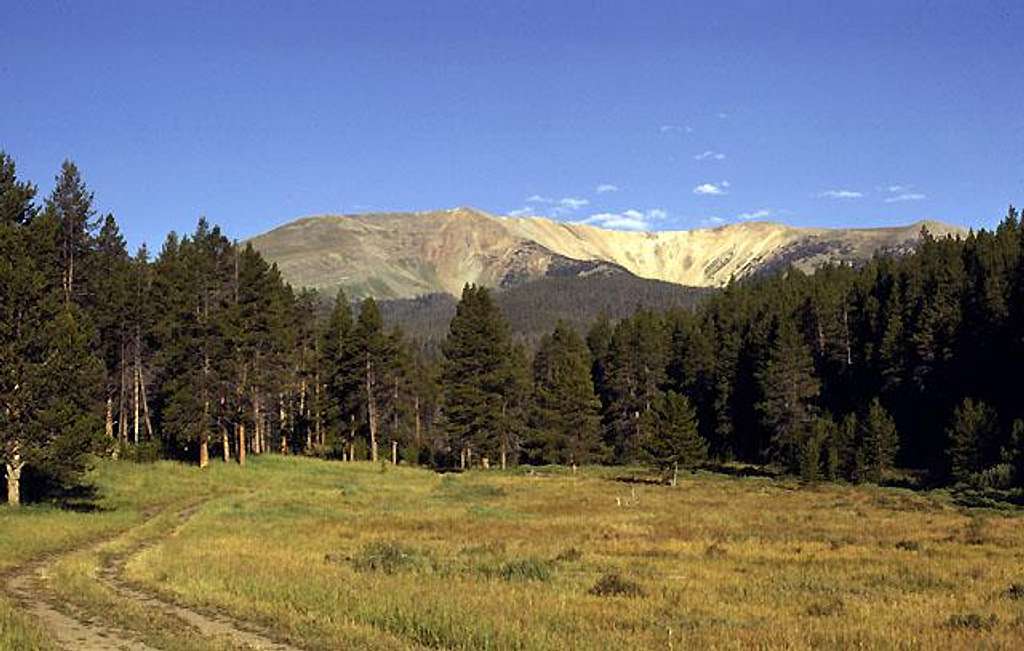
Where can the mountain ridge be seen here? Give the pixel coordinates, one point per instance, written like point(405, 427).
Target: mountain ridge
point(408, 254)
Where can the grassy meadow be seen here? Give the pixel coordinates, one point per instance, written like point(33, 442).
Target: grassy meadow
point(333, 555)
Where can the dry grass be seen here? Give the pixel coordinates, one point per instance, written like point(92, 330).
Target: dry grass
point(337, 555)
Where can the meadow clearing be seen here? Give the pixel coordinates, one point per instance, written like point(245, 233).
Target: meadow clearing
point(325, 555)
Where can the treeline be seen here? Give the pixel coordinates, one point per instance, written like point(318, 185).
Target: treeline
point(204, 351)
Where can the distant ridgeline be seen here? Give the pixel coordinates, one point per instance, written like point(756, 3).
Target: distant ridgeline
point(852, 373)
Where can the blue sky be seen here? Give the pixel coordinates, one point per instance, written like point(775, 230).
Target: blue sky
point(652, 114)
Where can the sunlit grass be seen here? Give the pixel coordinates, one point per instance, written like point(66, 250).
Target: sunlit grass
point(334, 555)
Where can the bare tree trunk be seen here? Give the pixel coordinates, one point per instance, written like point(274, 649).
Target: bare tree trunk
point(504, 455)
point(255, 417)
point(122, 412)
point(226, 443)
point(14, 465)
point(352, 437)
point(108, 421)
point(240, 428)
point(142, 387)
point(394, 452)
point(371, 410)
point(318, 424)
point(462, 459)
point(846, 337)
point(204, 449)
point(135, 405)
point(302, 416)
point(282, 416)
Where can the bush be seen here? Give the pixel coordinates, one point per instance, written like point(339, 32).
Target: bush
point(909, 545)
point(1016, 591)
point(826, 609)
point(569, 555)
point(614, 585)
point(972, 622)
point(387, 557)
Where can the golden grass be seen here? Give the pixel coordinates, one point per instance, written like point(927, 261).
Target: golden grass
point(492, 560)
point(333, 555)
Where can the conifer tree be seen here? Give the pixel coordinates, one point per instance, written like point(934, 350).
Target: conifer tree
point(567, 417)
point(974, 424)
point(788, 388)
point(70, 205)
point(671, 439)
point(879, 444)
point(474, 375)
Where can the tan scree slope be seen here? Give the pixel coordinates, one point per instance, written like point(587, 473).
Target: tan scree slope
point(400, 255)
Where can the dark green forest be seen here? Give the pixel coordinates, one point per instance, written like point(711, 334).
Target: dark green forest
point(905, 366)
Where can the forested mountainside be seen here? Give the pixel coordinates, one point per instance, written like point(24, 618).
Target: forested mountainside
point(534, 308)
point(203, 350)
point(404, 255)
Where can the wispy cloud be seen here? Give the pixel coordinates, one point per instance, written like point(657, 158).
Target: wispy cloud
point(711, 189)
point(675, 128)
point(573, 203)
point(906, 196)
point(760, 213)
point(606, 187)
point(705, 155)
point(711, 222)
point(841, 194)
point(536, 198)
point(521, 212)
point(899, 192)
point(627, 220)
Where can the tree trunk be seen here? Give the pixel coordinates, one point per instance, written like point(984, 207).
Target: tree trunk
point(14, 466)
point(394, 452)
point(240, 428)
point(142, 390)
point(135, 405)
point(108, 421)
point(204, 450)
point(226, 443)
point(282, 417)
point(416, 411)
point(504, 456)
point(255, 420)
point(122, 403)
point(318, 424)
point(371, 410)
point(462, 459)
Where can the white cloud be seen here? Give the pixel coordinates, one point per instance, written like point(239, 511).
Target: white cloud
point(536, 198)
point(712, 221)
point(714, 155)
point(521, 212)
point(606, 187)
point(711, 189)
point(670, 128)
point(841, 194)
point(723, 115)
point(906, 196)
point(627, 220)
point(573, 203)
point(898, 188)
point(761, 213)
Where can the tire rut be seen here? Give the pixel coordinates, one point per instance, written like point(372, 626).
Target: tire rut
point(207, 622)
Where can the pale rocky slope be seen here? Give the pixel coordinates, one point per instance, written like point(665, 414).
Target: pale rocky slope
point(400, 255)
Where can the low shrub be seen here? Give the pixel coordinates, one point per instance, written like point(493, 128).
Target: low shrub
point(525, 569)
point(388, 557)
point(613, 584)
point(972, 621)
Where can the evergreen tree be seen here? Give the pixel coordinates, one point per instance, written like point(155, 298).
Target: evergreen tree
point(879, 444)
point(671, 436)
point(974, 423)
point(339, 391)
point(474, 375)
point(70, 205)
point(567, 417)
point(788, 388)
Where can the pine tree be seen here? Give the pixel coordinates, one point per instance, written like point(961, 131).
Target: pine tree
point(566, 417)
point(788, 388)
point(474, 375)
point(339, 392)
point(671, 439)
point(974, 423)
point(879, 444)
point(70, 204)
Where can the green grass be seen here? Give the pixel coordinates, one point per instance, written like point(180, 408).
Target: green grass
point(334, 555)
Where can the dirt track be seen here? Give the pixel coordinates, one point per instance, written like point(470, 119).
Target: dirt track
point(73, 629)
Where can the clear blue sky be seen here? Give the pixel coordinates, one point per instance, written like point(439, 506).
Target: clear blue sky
point(687, 113)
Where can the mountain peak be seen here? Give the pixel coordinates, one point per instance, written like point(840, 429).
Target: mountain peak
point(401, 255)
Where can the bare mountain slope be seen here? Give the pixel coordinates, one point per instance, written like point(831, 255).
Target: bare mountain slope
point(401, 255)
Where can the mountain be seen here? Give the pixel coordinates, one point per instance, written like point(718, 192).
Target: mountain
point(532, 309)
point(404, 255)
